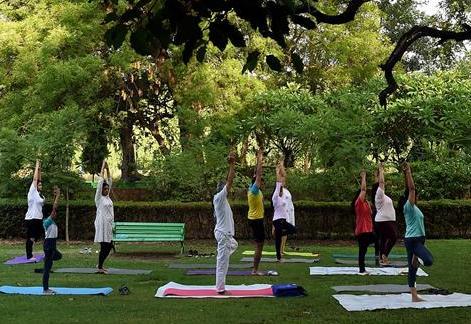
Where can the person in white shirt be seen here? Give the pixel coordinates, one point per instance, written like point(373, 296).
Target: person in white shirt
point(104, 216)
point(51, 253)
point(283, 209)
point(34, 215)
point(224, 229)
point(385, 219)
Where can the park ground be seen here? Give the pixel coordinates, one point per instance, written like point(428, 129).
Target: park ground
point(451, 271)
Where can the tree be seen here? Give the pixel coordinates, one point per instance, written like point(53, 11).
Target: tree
point(155, 24)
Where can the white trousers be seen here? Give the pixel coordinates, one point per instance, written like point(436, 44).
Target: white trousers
point(226, 246)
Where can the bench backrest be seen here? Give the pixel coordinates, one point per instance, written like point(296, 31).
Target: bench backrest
point(148, 230)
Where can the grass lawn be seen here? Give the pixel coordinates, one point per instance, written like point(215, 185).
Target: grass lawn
point(452, 271)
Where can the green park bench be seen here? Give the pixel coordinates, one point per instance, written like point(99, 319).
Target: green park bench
point(149, 232)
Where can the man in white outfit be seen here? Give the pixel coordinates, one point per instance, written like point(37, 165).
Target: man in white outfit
point(224, 229)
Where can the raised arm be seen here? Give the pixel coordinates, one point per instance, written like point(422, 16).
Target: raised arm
point(362, 195)
point(381, 176)
point(280, 175)
point(231, 159)
point(102, 172)
point(57, 194)
point(99, 186)
point(410, 183)
point(37, 174)
point(258, 172)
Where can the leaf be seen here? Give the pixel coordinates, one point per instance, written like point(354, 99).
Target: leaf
point(201, 53)
point(144, 43)
point(235, 35)
point(188, 51)
point(217, 36)
point(251, 62)
point(115, 35)
point(303, 21)
point(297, 62)
point(112, 16)
point(274, 63)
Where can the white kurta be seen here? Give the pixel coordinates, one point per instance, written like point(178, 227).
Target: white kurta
point(35, 204)
point(104, 214)
point(224, 234)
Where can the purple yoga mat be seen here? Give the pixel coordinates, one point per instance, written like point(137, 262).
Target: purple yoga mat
point(22, 259)
point(194, 272)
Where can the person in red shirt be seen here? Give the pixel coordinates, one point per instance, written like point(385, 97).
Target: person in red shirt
point(363, 223)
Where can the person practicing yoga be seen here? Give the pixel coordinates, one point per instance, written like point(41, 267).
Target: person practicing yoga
point(256, 212)
point(282, 205)
point(104, 216)
point(363, 223)
point(224, 229)
point(385, 219)
point(414, 238)
point(50, 244)
point(34, 215)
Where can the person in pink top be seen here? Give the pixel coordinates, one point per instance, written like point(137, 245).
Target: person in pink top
point(363, 223)
point(282, 202)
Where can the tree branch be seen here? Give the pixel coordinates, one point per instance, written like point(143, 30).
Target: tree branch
point(403, 45)
point(345, 17)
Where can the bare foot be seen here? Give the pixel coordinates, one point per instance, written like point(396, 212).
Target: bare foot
point(416, 299)
point(257, 273)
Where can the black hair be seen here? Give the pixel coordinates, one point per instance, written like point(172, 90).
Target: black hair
point(254, 178)
point(47, 210)
point(374, 188)
point(352, 204)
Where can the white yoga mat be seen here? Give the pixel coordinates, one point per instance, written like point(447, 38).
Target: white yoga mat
point(325, 271)
point(354, 303)
point(175, 290)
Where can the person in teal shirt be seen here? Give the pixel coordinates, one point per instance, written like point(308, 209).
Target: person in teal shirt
point(414, 239)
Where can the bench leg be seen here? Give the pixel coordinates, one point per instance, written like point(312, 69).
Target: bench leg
point(182, 248)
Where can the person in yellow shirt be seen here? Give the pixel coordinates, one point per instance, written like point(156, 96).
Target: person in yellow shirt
point(257, 212)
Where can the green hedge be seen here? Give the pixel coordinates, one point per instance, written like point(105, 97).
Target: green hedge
point(314, 220)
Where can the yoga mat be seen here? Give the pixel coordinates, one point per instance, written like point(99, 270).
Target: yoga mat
point(59, 291)
point(22, 260)
point(195, 272)
point(302, 254)
point(175, 290)
point(291, 260)
point(207, 266)
point(393, 264)
point(367, 257)
point(353, 303)
point(110, 271)
point(323, 271)
point(381, 288)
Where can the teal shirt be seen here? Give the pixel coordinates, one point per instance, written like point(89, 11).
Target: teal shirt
point(414, 220)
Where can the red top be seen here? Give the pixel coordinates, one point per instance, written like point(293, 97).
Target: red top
point(364, 224)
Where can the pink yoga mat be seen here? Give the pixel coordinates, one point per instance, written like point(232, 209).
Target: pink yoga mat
point(212, 292)
point(22, 259)
point(176, 290)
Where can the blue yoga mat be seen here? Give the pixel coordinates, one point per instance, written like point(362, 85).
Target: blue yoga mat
point(59, 291)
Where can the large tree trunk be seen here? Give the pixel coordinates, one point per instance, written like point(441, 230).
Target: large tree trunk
point(128, 164)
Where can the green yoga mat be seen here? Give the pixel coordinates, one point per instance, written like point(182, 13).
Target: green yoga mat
point(367, 257)
point(207, 266)
point(301, 254)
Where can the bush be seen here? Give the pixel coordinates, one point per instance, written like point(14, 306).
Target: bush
point(314, 220)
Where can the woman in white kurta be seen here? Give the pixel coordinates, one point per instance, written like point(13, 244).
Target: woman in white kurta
point(104, 216)
point(34, 215)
